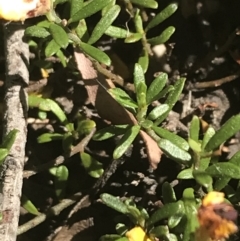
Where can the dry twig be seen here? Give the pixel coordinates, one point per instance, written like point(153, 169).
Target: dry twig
point(17, 77)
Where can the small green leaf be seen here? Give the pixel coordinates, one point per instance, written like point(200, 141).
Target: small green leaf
point(134, 214)
point(146, 3)
point(48, 137)
point(144, 60)
point(185, 174)
point(37, 31)
point(140, 85)
point(235, 159)
point(147, 124)
point(61, 177)
point(28, 205)
point(141, 91)
point(166, 211)
point(174, 220)
point(122, 98)
point(227, 130)
point(42, 115)
point(9, 139)
point(70, 127)
point(158, 111)
point(104, 23)
point(195, 146)
point(133, 37)
point(76, 5)
point(109, 132)
point(3, 154)
point(85, 127)
point(50, 105)
point(171, 237)
point(221, 183)
point(61, 57)
point(88, 10)
point(44, 24)
point(35, 101)
point(82, 31)
point(174, 151)
point(138, 22)
point(121, 228)
point(224, 169)
point(188, 196)
point(203, 179)
point(92, 166)
point(173, 97)
point(168, 193)
point(95, 53)
point(204, 163)
point(163, 37)
point(191, 213)
point(159, 231)
point(53, 171)
point(51, 48)
point(156, 87)
point(168, 89)
point(163, 15)
point(114, 203)
point(173, 138)
point(126, 141)
point(117, 32)
point(194, 128)
point(144, 213)
point(207, 136)
point(53, 17)
point(108, 7)
point(59, 35)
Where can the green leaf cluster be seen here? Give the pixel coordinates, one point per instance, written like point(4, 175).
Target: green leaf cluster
point(72, 133)
point(55, 34)
point(179, 216)
point(148, 120)
point(206, 168)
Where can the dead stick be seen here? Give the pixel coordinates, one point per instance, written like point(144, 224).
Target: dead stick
point(53, 211)
point(17, 77)
point(215, 83)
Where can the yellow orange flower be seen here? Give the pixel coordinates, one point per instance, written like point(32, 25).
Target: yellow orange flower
point(216, 218)
point(137, 234)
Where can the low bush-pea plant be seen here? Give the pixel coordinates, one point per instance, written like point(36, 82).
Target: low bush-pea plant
point(173, 145)
point(179, 217)
point(53, 36)
point(197, 155)
point(205, 167)
point(70, 27)
point(187, 219)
